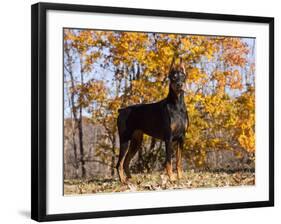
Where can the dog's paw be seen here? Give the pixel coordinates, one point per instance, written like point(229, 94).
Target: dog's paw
point(172, 178)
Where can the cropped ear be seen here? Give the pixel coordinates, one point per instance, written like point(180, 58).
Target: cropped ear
point(172, 66)
point(182, 67)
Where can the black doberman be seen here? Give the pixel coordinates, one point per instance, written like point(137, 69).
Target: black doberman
point(166, 120)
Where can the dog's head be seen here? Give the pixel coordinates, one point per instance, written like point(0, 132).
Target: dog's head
point(177, 77)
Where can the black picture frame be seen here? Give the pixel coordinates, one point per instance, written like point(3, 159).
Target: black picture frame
point(39, 108)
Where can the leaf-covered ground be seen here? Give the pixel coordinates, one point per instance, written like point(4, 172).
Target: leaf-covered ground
point(159, 181)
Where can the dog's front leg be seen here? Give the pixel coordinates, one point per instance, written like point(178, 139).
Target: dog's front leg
point(168, 162)
point(179, 159)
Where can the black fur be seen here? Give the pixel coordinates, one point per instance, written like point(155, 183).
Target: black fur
point(166, 120)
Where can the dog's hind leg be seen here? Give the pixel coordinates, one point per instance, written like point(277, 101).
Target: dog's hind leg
point(135, 145)
point(122, 154)
point(179, 160)
point(124, 138)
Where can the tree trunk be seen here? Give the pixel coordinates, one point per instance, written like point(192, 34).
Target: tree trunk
point(112, 165)
point(113, 142)
point(81, 143)
point(80, 127)
point(76, 162)
point(73, 114)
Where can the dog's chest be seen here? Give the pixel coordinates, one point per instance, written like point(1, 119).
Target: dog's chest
point(178, 120)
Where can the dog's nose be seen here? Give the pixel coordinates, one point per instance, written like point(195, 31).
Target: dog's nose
point(179, 85)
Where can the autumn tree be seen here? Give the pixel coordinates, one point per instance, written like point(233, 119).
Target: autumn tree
point(81, 49)
point(108, 70)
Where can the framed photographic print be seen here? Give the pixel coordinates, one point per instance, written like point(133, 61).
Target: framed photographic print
point(140, 111)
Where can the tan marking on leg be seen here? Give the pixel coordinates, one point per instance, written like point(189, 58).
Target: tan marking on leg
point(169, 170)
point(135, 145)
point(179, 162)
point(121, 172)
point(120, 165)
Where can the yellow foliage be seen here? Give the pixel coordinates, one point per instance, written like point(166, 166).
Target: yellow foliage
point(218, 119)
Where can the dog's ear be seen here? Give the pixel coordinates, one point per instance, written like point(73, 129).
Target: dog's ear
point(172, 67)
point(182, 67)
point(171, 71)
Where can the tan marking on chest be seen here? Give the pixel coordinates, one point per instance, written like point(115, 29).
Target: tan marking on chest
point(173, 126)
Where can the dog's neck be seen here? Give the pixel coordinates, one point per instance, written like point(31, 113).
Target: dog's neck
point(174, 97)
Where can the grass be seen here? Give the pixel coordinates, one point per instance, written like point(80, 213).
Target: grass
point(158, 181)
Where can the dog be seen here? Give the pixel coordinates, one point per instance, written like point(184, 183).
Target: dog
point(166, 120)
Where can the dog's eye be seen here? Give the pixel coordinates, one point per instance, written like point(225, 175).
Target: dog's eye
point(183, 76)
point(172, 77)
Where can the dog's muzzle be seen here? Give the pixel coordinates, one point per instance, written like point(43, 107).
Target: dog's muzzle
point(181, 87)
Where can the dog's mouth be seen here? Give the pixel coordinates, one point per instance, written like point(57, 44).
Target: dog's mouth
point(179, 88)
point(182, 89)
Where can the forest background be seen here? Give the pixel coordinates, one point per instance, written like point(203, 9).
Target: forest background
point(107, 70)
